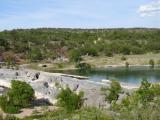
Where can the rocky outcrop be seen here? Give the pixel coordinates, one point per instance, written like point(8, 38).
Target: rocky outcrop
point(47, 85)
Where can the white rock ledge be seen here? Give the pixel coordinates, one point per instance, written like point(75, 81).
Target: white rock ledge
point(44, 85)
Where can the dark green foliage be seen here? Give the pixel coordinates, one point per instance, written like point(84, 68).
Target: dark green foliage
point(126, 64)
point(114, 91)
point(19, 96)
point(123, 58)
point(89, 51)
point(7, 105)
point(151, 63)
point(83, 67)
point(125, 50)
point(21, 93)
point(70, 100)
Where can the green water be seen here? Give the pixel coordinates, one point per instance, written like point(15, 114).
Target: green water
point(132, 75)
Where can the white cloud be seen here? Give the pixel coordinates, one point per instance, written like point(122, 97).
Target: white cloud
point(150, 9)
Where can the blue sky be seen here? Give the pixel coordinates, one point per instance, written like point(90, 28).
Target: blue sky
point(79, 13)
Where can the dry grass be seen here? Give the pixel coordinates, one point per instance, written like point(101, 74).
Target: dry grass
point(102, 61)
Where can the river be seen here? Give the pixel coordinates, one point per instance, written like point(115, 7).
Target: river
point(132, 75)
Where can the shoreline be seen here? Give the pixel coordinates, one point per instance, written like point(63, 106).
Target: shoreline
point(45, 86)
point(104, 67)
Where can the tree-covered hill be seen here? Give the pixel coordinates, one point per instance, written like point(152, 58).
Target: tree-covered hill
point(44, 43)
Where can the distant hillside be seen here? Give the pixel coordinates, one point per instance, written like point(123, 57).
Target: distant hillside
point(40, 44)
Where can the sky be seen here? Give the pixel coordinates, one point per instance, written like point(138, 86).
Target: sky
point(16, 14)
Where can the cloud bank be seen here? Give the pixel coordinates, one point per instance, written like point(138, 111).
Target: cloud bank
point(151, 9)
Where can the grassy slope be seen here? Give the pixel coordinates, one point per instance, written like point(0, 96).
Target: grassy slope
point(102, 61)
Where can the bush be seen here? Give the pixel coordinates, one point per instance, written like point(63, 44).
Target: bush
point(19, 96)
point(83, 67)
point(114, 90)
point(70, 100)
point(123, 58)
point(90, 51)
point(151, 63)
point(126, 64)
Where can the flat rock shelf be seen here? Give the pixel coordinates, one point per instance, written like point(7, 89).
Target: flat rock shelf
point(47, 85)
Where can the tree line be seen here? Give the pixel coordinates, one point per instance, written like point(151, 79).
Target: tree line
point(44, 43)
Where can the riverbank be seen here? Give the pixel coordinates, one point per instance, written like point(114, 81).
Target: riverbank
point(98, 62)
point(47, 85)
point(117, 61)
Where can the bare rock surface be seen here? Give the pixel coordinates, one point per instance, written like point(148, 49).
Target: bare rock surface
point(46, 85)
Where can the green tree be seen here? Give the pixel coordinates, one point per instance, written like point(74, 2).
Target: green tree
point(19, 96)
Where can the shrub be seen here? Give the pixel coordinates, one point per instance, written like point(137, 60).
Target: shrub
point(151, 63)
point(114, 90)
point(123, 58)
point(90, 51)
point(60, 65)
point(70, 100)
point(19, 96)
point(83, 67)
point(126, 64)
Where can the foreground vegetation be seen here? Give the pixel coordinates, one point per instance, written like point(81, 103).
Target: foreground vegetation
point(82, 114)
point(19, 96)
point(142, 104)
